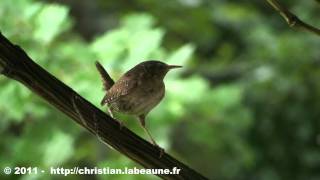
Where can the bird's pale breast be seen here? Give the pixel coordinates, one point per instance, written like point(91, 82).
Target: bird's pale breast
point(141, 99)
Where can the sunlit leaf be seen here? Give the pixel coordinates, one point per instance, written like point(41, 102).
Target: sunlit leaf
point(49, 22)
point(181, 55)
point(58, 149)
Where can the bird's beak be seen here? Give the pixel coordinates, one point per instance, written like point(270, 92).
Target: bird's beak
point(173, 66)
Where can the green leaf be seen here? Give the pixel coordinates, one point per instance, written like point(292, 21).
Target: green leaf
point(137, 22)
point(32, 10)
point(49, 23)
point(187, 90)
point(15, 96)
point(141, 45)
point(182, 55)
point(58, 149)
point(110, 46)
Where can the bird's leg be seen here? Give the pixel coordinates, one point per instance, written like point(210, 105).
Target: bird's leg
point(110, 112)
point(143, 125)
point(121, 124)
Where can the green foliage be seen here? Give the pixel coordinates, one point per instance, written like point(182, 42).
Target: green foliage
point(135, 39)
point(245, 105)
point(49, 23)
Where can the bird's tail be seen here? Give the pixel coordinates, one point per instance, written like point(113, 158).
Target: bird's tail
point(106, 79)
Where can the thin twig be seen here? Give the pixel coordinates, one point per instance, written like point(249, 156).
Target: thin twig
point(75, 106)
point(292, 20)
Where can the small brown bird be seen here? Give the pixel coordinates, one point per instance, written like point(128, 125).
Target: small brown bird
point(137, 92)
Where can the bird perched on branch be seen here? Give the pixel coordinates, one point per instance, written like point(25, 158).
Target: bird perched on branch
point(137, 92)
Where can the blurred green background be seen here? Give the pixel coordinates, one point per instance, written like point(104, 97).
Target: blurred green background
point(245, 105)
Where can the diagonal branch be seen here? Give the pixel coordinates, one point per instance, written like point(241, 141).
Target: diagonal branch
point(292, 20)
point(15, 64)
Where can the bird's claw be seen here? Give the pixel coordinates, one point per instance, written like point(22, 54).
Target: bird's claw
point(161, 150)
point(121, 124)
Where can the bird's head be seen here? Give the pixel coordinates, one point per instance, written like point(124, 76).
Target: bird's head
point(157, 69)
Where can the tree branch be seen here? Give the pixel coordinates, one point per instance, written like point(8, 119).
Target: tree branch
point(16, 64)
point(292, 20)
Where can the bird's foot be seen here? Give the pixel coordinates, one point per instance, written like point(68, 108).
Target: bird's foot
point(121, 124)
point(161, 150)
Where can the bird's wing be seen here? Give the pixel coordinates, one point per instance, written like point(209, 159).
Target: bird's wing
point(121, 88)
point(106, 79)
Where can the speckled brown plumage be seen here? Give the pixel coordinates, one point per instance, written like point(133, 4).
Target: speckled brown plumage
point(137, 91)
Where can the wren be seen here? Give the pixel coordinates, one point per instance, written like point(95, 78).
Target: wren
point(137, 91)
